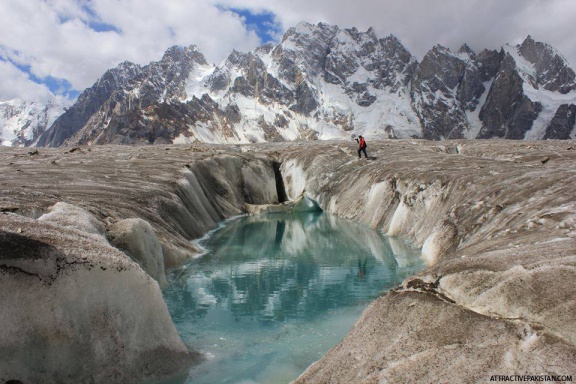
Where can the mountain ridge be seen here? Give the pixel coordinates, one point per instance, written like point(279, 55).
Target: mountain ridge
point(324, 82)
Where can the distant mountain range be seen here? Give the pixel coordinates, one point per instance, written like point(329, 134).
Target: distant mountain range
point(321, 82)
point(21, 122)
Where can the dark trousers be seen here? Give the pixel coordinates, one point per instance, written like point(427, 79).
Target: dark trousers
point(362, 150)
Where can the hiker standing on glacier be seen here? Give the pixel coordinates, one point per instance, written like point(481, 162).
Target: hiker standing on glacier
point(361, 146)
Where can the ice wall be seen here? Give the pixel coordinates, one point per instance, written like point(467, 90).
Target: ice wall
point(217, 188)
point(205, 192)
point(79, 286)
point(496, 226)
point(137, 239)
point(76, 309)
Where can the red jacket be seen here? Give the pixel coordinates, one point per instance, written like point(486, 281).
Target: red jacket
point(362, 143)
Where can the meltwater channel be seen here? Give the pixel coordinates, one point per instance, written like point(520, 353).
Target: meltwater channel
point(273, 293)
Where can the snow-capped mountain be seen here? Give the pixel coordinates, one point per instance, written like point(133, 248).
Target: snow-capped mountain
point(21, 123)
point(515, 93)
point(323, 82)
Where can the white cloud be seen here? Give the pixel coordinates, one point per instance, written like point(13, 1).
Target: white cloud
point(54, 37)
point(421, 24)
point(15, 84)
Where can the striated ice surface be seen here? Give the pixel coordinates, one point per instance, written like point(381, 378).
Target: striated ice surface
point(498, 219)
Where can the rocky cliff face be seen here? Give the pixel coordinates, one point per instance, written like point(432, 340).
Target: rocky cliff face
point(323, 82)
point(106, 108)
point(443, 85)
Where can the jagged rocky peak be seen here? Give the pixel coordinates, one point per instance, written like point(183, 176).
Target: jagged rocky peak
point(347, 51)
point(327, 82)
point(359, 60)
point(125, 88)
point(551, 70)
point(441, 65)
point(307, 38)
point(508, 112)
point(393, 47)
point(247, 74)
point(221, 78)
point(396, 63)
point(488, 62)
point(303, 33)
point(439, 50)
point(264, 49)
point(466, 50)
point(239, 59)
point(371, 32)
point(166, 79)
point(251, 77)
point(446, 85)
point(364, 40)
point(303, 50)
point(365, 45)
point(90, 101)
point(531, 94)
point(361, 44)
point(189, 53)
point(119, 76)
point(124, 71)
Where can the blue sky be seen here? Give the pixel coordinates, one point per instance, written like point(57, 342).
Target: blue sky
point(95, 23)
point(60, 47)
point(264, 24)
point(56, 86)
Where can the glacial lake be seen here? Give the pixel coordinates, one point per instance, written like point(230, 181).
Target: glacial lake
point(273, 293)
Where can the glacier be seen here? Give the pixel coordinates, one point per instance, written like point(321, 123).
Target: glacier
point(84, 233)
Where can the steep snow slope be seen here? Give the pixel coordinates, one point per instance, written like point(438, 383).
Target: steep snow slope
point(21, 123)
point(550, 100)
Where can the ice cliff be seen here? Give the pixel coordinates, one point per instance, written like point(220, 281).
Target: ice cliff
point(84, 245)
point(496, 223)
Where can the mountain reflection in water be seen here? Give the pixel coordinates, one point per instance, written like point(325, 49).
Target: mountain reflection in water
point(280, 290)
